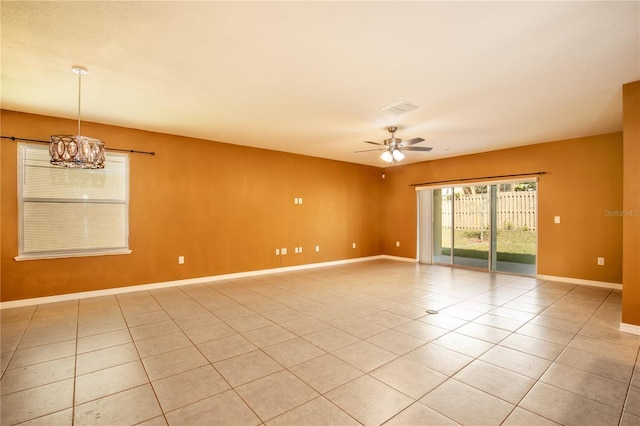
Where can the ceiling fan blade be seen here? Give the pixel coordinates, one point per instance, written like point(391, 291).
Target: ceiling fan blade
point(369, 150)
point(412, 141)
point(417, 148)
point(374, 143)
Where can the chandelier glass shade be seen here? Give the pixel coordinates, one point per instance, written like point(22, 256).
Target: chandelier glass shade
point(387, 156)
point(77, 151)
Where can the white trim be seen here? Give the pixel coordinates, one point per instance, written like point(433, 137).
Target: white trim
point(143, 287)
point(579, 281)
point(630, 328)
point(40, 256)
point(213, 278)
point(401, 259)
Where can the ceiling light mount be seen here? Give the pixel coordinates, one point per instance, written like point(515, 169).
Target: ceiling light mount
point(77, 151)
point(79, 70)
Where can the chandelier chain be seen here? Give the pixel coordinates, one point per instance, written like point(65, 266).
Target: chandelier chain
point(79, 99)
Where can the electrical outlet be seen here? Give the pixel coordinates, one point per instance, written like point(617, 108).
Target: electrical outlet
point(299, 249)
point(180, 260)
point(277, 252)
point(295, 250)
point(556, 219)
point(397, 243)
point(317, 249)
point(601, 261)
point(353, 245)
point(283, 251)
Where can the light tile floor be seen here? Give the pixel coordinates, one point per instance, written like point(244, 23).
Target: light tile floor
point(342, 345)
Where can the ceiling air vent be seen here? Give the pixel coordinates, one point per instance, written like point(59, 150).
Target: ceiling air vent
point(399, 107)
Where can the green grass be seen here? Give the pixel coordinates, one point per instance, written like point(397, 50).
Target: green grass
point(502, 257)
point(512, 245)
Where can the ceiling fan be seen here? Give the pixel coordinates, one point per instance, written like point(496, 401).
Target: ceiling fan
point(393, 146)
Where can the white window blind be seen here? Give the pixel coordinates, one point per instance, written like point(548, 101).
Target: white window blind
point(67, 212)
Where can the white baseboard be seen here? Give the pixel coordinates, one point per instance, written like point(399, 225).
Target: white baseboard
point(214, 278)
point(401, 259)
point(579, 281)
point(153, 286)
point(630, 328)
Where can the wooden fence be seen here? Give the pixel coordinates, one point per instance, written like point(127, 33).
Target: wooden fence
point(514, 210)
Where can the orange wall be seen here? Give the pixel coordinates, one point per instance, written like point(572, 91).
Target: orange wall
point(583, 179)
point(631, 205)
point(226, 208)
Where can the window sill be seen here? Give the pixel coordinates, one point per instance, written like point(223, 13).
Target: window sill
point(41, 256)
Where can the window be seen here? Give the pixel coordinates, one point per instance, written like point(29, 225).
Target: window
point(65, 212)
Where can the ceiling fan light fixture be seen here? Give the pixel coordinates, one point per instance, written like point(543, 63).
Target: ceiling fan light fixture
point(397, 155)
point(76, 151)
point(392, 147)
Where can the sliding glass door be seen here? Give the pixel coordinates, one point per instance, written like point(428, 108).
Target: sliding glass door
point(491, 227)
point(515, 228)
point(442, 225)
point(471, 226)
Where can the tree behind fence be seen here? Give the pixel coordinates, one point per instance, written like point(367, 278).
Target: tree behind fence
point(514, 210)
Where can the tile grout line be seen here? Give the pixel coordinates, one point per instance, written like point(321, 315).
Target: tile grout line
point(539, 380)
point(140, 359)
point(320, 394)
point(24, 332)
point(635, 370)
point(231, 387)
point(378, 293)
point(511, 333)
point(75, 367)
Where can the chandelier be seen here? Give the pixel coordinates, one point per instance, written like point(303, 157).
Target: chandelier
point(75, 150)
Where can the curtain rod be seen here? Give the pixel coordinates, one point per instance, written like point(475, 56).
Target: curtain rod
point(478, 178)
point(13, 138)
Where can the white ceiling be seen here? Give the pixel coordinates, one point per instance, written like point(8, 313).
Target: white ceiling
point(312, 77)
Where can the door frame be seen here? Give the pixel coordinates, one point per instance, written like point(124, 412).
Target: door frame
point(425, 220)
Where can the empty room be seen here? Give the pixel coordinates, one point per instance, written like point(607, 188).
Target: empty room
point(320, 213)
